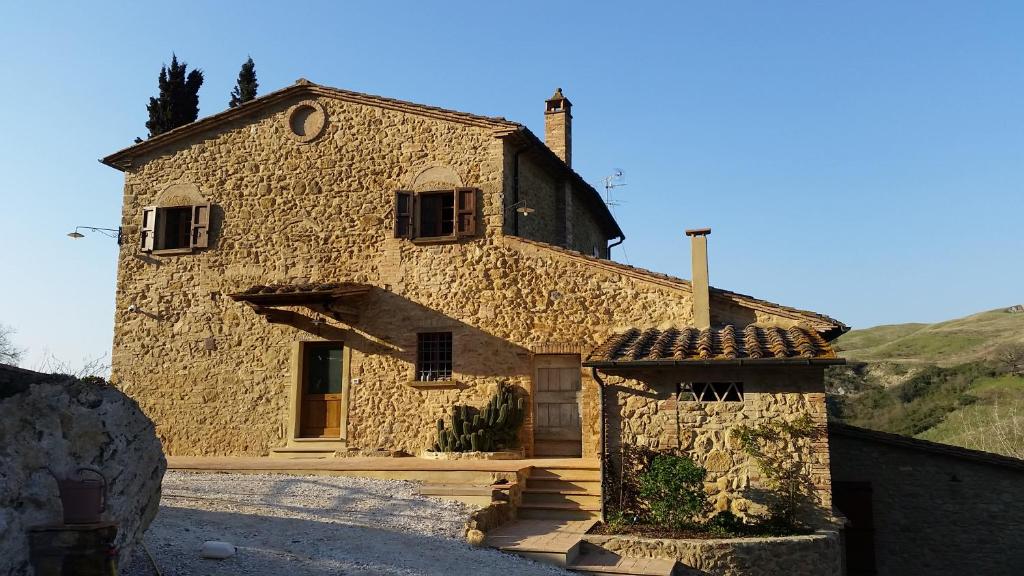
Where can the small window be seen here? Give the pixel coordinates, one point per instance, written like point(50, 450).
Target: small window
point(711, 391)
point(436, 214)
point(177, 228)
point(433, 356)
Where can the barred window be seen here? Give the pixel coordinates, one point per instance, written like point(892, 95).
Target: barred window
point(433, 356)
point(711, 391)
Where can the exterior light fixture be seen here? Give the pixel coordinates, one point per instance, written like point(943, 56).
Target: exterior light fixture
point(109, 232)
point(521, 208)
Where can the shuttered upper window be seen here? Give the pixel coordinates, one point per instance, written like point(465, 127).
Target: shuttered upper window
point(436, 214)
point(175, 228)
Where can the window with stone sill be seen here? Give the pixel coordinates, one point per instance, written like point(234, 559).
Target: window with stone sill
point(711, 392)
point(174, 229)
point(436, 214)
point(433, 356)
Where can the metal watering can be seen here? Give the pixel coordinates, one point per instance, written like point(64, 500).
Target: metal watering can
point(83, 499)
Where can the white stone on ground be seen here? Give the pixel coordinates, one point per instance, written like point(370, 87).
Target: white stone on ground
point(287, 525)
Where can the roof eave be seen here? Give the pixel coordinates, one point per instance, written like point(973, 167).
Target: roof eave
point(640, 364)
point(527, 137)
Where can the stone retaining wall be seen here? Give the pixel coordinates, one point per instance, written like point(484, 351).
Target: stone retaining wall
point(818, 554)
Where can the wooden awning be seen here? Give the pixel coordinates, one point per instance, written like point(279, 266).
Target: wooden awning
point(340, 300)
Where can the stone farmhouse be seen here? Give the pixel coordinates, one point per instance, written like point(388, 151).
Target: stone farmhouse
point(321, 271)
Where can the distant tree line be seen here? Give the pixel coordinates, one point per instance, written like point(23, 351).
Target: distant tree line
point(177, 101)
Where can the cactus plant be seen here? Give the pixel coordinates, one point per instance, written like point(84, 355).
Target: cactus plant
point(495, 426)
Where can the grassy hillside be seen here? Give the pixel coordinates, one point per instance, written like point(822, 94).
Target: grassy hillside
point(948, 343)
point(941, 382)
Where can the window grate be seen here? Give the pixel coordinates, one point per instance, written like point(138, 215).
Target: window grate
point(711, 391)
point(433, 356)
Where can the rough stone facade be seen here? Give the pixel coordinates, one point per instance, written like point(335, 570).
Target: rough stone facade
point(936, 509)
point(650, 411)
point(818, 554)
point(216, 377)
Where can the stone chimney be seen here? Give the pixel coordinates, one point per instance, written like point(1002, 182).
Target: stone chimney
point(701, 290)
point(558, 126)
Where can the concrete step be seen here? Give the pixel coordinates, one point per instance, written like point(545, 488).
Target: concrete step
point(541, 484)
point(560, 498)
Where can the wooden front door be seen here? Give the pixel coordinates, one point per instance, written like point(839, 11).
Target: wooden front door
point(320, 411)
point(854, 500)
point(557, 430)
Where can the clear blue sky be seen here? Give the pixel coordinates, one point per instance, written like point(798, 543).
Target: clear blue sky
point(864, 160)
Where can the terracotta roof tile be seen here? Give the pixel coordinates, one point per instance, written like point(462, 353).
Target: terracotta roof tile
point(758, 343)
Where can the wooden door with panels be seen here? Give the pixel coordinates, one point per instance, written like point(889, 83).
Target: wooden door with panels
point(320, 409)
point(557, 385)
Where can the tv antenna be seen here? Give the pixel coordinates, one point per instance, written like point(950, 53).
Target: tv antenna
point(615, 180)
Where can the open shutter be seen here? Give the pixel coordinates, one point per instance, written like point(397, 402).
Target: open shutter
point(200, 226)
point(147, 232)
point(465, 211)
point(404, 214)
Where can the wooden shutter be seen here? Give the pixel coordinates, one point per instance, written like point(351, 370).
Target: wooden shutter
point(200, 237)
point(147, 232)
point(404, 214)
point(465, 211)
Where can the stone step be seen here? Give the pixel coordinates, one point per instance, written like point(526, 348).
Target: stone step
point(549, 513)
point(548, 541)
point(595, 560)
point(541, 484)
point(560, 498)
point(467, 493)
point(566, 474)
point(303, 452)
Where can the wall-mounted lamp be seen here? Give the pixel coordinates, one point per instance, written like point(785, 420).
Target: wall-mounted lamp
point(109, 232)
point(521, 208)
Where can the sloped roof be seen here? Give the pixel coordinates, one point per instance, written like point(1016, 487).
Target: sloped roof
point(122, 159)
point(828, 327)
point(727, 344)
point(910, 443)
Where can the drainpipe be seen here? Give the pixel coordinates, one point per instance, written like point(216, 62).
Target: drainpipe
point(515, 190)
point(622, 238)
point(601, 438)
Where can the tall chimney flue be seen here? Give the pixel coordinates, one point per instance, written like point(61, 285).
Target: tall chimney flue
point(558, 126)
point(699, 282)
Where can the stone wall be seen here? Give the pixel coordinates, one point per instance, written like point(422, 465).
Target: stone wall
point(216, 377)
point(937, 509)
point(818, 554)
point(647, 410)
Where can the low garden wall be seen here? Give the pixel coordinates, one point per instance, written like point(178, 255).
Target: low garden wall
point(818, 554)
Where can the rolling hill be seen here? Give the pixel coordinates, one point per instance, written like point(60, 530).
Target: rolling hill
point(967, 339)
point(941, 382)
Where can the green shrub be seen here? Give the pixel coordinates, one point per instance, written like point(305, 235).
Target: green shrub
point(672, 489)
point(725, 524)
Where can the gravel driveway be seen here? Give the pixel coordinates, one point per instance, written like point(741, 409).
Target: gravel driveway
point(294, 525)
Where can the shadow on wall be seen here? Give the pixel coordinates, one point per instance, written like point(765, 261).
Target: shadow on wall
point(388, 325)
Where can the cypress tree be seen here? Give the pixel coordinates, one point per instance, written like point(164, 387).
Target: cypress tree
point(245, 89)
point(178, 101)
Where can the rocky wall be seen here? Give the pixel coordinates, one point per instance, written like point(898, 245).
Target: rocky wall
point(648, 409)
point(818, 554)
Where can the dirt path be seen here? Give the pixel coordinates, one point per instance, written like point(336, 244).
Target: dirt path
point(296, 525)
